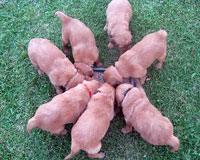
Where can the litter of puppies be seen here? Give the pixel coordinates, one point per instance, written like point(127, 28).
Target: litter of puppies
point(88, 103)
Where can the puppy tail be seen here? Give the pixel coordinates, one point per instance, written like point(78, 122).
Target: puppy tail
point(174, 143)
point(32, 123)
point(162, 33)
point(62, 16)
point(74, 149)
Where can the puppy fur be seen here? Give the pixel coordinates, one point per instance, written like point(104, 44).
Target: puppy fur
point(134, 62)
point(118, 14)
point(112, 76)
point(145, 118)
point(63, 109)
point(49, 59)
point(93, 124)
point(82, 42)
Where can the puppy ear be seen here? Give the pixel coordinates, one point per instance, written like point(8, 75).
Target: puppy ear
point(78, 78)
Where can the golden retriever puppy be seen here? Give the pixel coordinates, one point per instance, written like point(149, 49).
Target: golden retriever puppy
point(134, 62)
point(119, 13)
point(93, 124)
point(49, 59)
point(82, 41)
point(63, 109)
point(145, 118)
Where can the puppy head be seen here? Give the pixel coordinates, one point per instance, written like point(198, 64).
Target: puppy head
point(93, 85)
point(120, 90)
point(108, 90)
point(123, 40)
point(84, 68)
point(112, 76)
point(76, 79)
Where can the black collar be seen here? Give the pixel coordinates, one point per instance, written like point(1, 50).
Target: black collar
point(126, 91)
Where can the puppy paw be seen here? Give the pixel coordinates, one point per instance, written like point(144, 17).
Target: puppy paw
point(97, 155)
point(101, 155)
point(125, 131)
point(59, 91)
point(105, 28)
point(66, 51)
point(110, 45)
point(40, 72)
point(159, 66)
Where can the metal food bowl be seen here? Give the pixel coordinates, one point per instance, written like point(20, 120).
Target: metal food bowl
point(98, 75)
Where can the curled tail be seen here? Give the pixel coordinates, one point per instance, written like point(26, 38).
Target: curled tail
point(74, 149)
point(163, 33)
point(32, 123)
point(174, 143)
point(62, 16)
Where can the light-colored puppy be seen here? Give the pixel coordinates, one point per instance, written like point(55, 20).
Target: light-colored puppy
point(140, 114)
point(134, 62)
point(63, 109)
point(82, 41)
point(119, 13)
point(49, 59)
point(93, 124)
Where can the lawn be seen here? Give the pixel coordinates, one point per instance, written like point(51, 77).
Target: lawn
point(174, 90)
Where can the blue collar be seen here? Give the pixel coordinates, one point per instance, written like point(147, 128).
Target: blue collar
point(126, 91)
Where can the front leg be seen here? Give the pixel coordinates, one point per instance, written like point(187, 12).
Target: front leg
point(128, 128)
point(65, 42)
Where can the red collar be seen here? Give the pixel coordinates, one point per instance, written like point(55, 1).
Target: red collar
point(89, 91)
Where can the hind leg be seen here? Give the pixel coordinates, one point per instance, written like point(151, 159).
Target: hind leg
point(94, 152)
point(59, 132)
point(40, 72)
point(161, 59)
point(65, 42)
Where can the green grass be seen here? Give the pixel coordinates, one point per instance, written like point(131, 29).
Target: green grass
point(174, 90)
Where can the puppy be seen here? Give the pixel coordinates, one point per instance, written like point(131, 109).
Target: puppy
point(93, 124)
point(49, 59)
point(119, 13)
point(83, 43)
point(63, 109)
point(134, 62)
point(144, 117)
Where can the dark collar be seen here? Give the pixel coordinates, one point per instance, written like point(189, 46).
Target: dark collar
point(98, 91)
point(66, 86)
point(126, 91)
